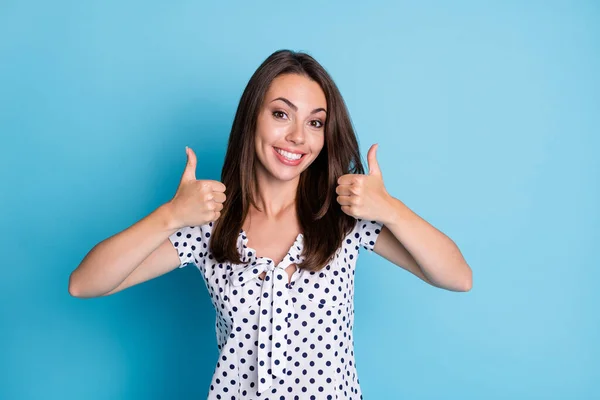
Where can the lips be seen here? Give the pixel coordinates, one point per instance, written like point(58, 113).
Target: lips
point(286, 161)
point(290, 151)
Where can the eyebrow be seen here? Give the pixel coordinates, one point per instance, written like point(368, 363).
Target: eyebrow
point(293, 106)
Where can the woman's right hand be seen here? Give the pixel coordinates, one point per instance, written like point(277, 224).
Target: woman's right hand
point(196, 202)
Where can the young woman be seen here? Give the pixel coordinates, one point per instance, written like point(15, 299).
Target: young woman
point(278, 239)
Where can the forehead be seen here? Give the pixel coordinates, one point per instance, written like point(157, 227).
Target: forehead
point(299, 89)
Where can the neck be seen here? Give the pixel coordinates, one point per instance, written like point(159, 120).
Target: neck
point(273, 197)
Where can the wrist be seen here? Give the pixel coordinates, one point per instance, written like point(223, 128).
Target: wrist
point(396, 211)
point(167, 216)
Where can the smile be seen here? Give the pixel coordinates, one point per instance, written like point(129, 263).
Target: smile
point(288, 155)
point(288, 158)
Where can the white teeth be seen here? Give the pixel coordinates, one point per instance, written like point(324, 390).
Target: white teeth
point(288, 155)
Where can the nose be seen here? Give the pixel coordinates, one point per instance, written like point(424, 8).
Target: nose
point(296, 134)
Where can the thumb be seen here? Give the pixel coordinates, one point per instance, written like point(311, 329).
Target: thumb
point(190, 168)
point(372, 161)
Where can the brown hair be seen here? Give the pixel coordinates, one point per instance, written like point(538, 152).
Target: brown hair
point(323, 223)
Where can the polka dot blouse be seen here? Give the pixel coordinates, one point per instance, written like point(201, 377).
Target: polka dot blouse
point(278, 340)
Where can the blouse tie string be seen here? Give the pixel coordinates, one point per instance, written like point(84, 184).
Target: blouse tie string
point(275, 312)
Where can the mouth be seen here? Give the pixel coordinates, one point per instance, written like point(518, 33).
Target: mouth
point(288, 157)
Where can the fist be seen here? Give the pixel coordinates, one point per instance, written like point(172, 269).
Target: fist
point(364, 196)
point(196, 202)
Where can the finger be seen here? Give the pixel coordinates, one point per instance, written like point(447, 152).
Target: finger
point(217, 186)
point(216, 215)
point(372, 161)
point(344, 200)
point(347, 210)
point(346, 179)
point(189, 173)
point(344, 190)
point(219, 197)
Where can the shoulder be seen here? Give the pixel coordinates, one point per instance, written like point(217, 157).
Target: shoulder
point(365, 233)
point(190, 234)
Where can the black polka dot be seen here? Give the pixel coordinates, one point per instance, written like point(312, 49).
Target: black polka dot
point(309, 339)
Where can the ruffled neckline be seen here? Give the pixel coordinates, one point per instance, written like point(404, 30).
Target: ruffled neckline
point(248, 254)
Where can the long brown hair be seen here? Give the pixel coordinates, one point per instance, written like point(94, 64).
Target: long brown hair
point(323, 223)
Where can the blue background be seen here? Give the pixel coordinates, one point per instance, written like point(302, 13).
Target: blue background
point(487, 116)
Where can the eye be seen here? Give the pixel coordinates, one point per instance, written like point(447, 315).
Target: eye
point(319, 122)
point(277, 113)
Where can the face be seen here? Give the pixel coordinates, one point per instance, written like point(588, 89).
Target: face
point(290, 129)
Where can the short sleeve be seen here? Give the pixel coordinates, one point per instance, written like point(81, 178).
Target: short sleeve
point(367, 233)
point(191, 243)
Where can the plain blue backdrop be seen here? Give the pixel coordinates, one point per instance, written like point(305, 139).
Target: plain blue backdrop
point(487, 115)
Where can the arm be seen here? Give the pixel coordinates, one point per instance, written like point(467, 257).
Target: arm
point(407, 240)
point(144, 250)
point(390, 248)
point(134, 255)
point(412, 243)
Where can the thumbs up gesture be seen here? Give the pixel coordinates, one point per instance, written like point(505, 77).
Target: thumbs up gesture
point(196, 202)
point(364, 196)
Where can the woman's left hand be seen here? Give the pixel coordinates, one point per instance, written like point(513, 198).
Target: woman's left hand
point(365, 196)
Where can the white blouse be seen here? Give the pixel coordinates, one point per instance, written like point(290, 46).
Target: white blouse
point(280, 340)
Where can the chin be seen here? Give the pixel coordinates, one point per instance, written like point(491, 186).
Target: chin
point(285, 177)
point(284, 173)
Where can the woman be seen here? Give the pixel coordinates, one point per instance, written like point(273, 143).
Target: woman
point(278, 252)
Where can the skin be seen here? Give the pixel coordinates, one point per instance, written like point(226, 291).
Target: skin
point(406, 239)
point(273, 228)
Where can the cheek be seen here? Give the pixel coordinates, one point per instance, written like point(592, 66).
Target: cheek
point(262, 131)
point(268, 135)
point(318, 144)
